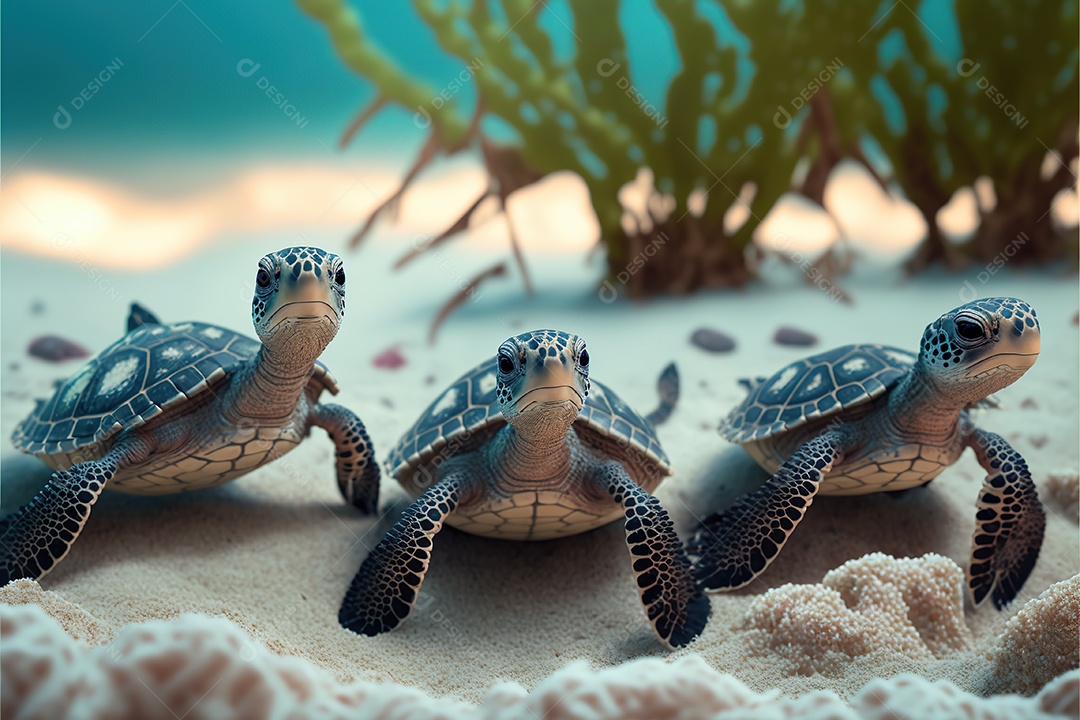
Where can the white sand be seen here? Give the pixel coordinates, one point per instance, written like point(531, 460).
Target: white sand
point(275, 550)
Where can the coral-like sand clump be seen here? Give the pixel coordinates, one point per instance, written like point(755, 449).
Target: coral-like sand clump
point(195, 666)
point(201, 668)
point(78, 623)
point(1040, 642)
point(876, 603)
point(1064, 489)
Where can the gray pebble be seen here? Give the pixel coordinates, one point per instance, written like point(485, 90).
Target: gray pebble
point(793, 337)
point(712, 341)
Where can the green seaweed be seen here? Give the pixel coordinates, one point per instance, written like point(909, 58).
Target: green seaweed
point(1019, 48)
point(806, 107)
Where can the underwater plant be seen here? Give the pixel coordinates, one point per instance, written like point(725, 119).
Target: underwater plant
point(937, 125)
point(729, 138)
point(584, 115)
point(995, 113)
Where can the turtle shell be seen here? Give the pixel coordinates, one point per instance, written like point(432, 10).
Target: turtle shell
point(468, 413)
point(816, 387)
point(151, 370)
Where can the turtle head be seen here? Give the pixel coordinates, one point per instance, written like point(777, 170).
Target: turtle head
point(299, 301)
point(979, 348)
point(542, 380)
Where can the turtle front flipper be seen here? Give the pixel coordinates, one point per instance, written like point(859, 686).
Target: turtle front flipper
point(384, 591)
point(40, 534)
point(1009, 525)
point(735, 547)
point(357, 471)
point(674, 604)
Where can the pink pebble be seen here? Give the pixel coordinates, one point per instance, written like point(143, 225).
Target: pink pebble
point(55, 349)
point(390, 359)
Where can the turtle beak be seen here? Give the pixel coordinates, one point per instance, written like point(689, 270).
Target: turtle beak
point(304, 299)
point(1015, 352)
point(1003, 364)
point(551, 383)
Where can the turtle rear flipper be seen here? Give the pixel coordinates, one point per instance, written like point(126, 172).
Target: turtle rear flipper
point(668, 387)
point(735, 547)
point(674, 604)
point(384, 591)
point(138, 316)
point(751, 384)
point(1009, 525)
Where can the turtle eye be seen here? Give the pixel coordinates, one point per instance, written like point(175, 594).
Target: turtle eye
point(339, 276)
point(506, 364)
point(262, 278)
point(969, 330)
point(583, 358)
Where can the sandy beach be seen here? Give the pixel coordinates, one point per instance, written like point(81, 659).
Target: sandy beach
point(274, 551)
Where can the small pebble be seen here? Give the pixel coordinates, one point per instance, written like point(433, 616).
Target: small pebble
point(793, 337)
point(37, 307)
point(712, 341)
point(14, 367)
point(1029, 404)
point(389, 359)
point(429, 380)
point(387, 402)
point(55, 349)
point(1076, 319)
point(1038, 440)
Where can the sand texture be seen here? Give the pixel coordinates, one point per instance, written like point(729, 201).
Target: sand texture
point(206, 668)
point(264, 562)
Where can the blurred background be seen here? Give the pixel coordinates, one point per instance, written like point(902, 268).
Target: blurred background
point(738, 135)
point(134, 132)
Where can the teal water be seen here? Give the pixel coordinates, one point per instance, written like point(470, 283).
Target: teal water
point(110, 88)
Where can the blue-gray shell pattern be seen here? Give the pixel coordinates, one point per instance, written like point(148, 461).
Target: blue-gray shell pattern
point(816, 387)
point(146, 372)
point(468, 411)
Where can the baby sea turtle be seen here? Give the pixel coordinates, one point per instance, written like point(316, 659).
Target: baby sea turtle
point(520, 448)
point(172, 408)
point(868, 418)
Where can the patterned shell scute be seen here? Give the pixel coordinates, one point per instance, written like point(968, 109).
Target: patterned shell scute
point(469, 406)
point(148, 371)
point(816, 387)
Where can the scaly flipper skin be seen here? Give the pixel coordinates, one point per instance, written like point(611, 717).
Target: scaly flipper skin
point(735, 547)
point(357, 471)
point(526, 447)
point(40, 534)
point(904, 418)
point(1009, 525)
point(384, 591)
point(674, 604)
point(179, 407)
